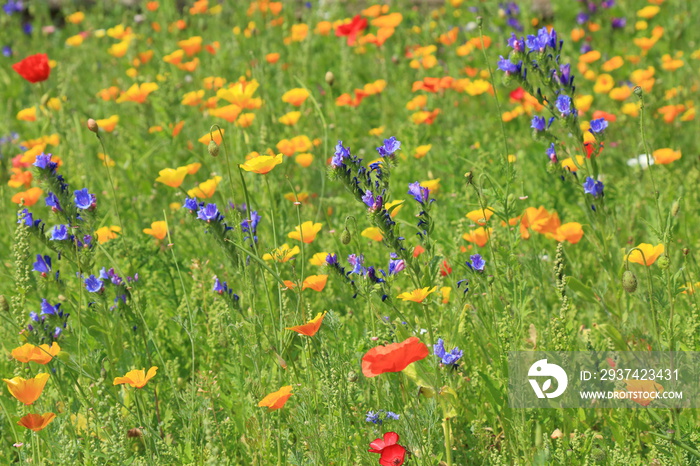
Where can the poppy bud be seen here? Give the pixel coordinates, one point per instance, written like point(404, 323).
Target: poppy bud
point(134, 433)
point(4, 305)
point(345, 237)
point(92, 125)
point(686, 251)
point(675, 208)
point(213, 148)
point(479, 21)
point(330, 78)
point(352, 376)
point(629, 281)
point(638, 91)
point(664, 262)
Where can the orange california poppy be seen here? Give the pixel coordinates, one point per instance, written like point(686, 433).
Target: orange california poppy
point(276, 400)
point(27, 390)
point(28, 197)
point(158, 230)
point(651, 253)
point(173, 177)
point(311, 327)
point(36, 422)
point(39, 354)
point(137, 378)
point(417, 295)
point(262, 164)
point(394, 357)
point(315, 282)
point(306, 232)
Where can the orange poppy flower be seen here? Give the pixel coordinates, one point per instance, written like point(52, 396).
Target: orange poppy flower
point(276, 400)
point(295, 96)
point(651, 253)
point(158, 230)
point(480, 236)
point(311, 327)
point(666, 156)
point(262, 164)
point(282, 254)
point(138, 378)
point(105, 234)
point(394, 357)
point(108, 124)
point(42, 354)
point(372, 233)
point(137, 93)
point(418, 295)
point(28, 197)
point(480, 216)
point(27, 390)
point(172, 177)
point(206, 189)
point(639, 387)
point(20, 178)
point(315, 282)
point(36, 422)
point(306, 232)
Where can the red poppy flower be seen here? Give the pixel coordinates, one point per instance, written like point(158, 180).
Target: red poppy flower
point(518, 94)
point(392, 453)
point(445, 269)
point(351, 29)
point(394, 357)
point(34, 68)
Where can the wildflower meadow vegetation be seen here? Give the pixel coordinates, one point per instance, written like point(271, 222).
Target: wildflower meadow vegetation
point(310, 233)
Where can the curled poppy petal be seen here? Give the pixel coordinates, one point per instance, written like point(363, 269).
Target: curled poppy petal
point(394, 357)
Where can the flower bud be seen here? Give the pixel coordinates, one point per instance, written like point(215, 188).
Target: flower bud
point(330, 78)
point(92, 125)
point(479, 21)
point(213, 148)
point(469, 176)
point(352, 376)
point(675, 208)
point(664, 262)
point(345, 237)
point(638, 91)
point(686, 251)
point(629, 281)
point(4, 305)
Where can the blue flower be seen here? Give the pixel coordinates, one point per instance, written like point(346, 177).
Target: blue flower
point(477, 263)
point(356, 262)
point(396, 266)
point(509, 67)
point(42, 264)
point(563, 104)
point(7, 51)
point(564, 75)
point(373, 417)
point(208, 213)
point(25, 216)
point(44, 162)
point(12, 6)
point(515, 43)
point(332, 259)
point(374, 203)
point(53, 202)
point(447, 358)
point(392, 415)
point(389, 147)
point(552, 153)
point(598, 125)
point(593, 187)
point(418, 192)
point(538, 123)
point(48, 309)
point(93, 284)
point(84, 200)
point(341, 153)
point(191, 203)
point(618, 23)
point(59, 233)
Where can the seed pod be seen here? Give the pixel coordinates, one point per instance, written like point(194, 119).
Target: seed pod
point(213, 148)
point(345, 237)
point(664, 262)
point(330, 78)
point(92, 125)
point(629, 281)
point(352, 376)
